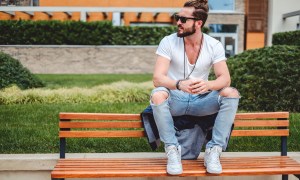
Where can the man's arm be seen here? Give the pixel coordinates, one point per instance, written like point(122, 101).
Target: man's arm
point(222, 76)
point(160, 77)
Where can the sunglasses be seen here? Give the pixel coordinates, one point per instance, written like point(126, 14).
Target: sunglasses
point(183, 19)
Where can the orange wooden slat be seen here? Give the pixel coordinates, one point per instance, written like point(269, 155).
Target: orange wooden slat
point(131, 124)
point(148, 167)
point(99, 116)
point(125, 133)
point(262, 115)
point(263, 132)
point(141, 133)
point(115, 116)
point(261, 123)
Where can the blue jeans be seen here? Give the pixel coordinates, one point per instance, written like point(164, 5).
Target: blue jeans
point(182, 103)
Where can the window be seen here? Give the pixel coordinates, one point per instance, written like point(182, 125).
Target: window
point(223, 28)
point(227, 34)
point(19, 2)
point(223, 5)
point(35, 2)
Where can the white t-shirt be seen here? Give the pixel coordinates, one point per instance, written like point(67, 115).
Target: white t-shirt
point(172, 48)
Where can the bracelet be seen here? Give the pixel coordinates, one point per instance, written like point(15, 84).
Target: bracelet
point(177, 85)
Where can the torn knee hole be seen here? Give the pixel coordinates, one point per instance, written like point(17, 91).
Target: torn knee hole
point(230, 92)
point(159, 97)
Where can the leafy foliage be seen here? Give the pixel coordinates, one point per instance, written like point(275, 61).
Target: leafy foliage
point(287, 38)
point(80, 33)
point(267, 78)
point(13, 72)
point(117, 92)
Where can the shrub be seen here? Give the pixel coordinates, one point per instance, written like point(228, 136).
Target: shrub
point(13, 72)
point(267, 78)
point(80, 33)
point(118, 92)
point(287, 38)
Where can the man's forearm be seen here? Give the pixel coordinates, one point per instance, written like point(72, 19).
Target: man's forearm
point(219, 83)
point(164, 81)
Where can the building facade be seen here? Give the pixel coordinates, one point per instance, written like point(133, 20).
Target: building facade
point(283, 16)
point(226, 19)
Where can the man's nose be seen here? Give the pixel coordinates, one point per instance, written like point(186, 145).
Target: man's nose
point(178, 22)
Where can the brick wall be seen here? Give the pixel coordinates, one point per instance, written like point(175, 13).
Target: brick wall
point(84, 59)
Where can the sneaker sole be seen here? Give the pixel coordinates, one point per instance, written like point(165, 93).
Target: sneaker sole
point(174, 172)
point(211, 171)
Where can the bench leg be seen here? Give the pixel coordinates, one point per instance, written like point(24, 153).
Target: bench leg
point(285, 177)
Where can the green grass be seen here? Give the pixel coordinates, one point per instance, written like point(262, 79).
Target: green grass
point(33, 127)
point(269, 143)
point(54, 81)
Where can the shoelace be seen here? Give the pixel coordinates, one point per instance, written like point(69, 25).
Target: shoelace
point(215, 158)
point(173, 156)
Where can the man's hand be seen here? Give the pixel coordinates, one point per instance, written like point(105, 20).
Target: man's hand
point(184, 85)
point(194, 86)
point(199, 86)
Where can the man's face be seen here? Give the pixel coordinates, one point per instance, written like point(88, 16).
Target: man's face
point(186, 28)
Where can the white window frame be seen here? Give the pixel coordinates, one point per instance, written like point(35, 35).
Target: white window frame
point(224, 11)
point(222, 39)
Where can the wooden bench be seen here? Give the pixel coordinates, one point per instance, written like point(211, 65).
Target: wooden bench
point(246, 124)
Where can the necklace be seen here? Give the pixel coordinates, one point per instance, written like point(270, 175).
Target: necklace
point(199, 52)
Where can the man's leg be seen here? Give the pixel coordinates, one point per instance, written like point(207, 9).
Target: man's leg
point(228, 101)
point(165, 125)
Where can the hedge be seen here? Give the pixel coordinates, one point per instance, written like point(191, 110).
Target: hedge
point(79, 33)
point(13, 72)
point(287, 38)
point(267, 78)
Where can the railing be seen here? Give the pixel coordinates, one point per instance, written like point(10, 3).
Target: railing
point(84, 11)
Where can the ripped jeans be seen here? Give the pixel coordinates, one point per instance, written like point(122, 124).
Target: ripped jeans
point(182, 103)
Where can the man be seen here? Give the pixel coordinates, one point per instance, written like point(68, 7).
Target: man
point(182, 88)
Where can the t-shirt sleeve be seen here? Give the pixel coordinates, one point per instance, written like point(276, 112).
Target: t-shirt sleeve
point(219, 53)
point(164, 48)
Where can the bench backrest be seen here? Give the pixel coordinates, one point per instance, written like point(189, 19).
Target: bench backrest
point(92, 125)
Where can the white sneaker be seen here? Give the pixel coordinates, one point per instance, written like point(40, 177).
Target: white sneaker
point(212, 160)
point(174, 166)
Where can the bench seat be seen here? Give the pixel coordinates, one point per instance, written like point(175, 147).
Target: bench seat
point(111, 125)
point(151, 167)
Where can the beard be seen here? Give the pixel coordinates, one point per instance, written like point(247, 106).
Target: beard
point(187, 32)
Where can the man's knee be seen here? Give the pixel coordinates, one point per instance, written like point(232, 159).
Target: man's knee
point(230, 92)
point(159, 97)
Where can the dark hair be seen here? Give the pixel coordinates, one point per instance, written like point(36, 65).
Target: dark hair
point(201, 9)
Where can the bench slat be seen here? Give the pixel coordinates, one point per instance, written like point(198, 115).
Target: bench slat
point(99, 116)
point(127, 133)
point(262, 115)
point(141, 133)
point(138, 124)
point(261, 123)
point(128, 124)
point(149, 167)
point(263, 132)
point(114, 116)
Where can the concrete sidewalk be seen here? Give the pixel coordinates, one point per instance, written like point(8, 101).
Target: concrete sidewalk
point(39, 166)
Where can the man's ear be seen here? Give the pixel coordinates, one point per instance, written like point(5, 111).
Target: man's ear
point(200, 23)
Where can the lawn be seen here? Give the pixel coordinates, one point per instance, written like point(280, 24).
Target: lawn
point(33, 127)
point(89, 80)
